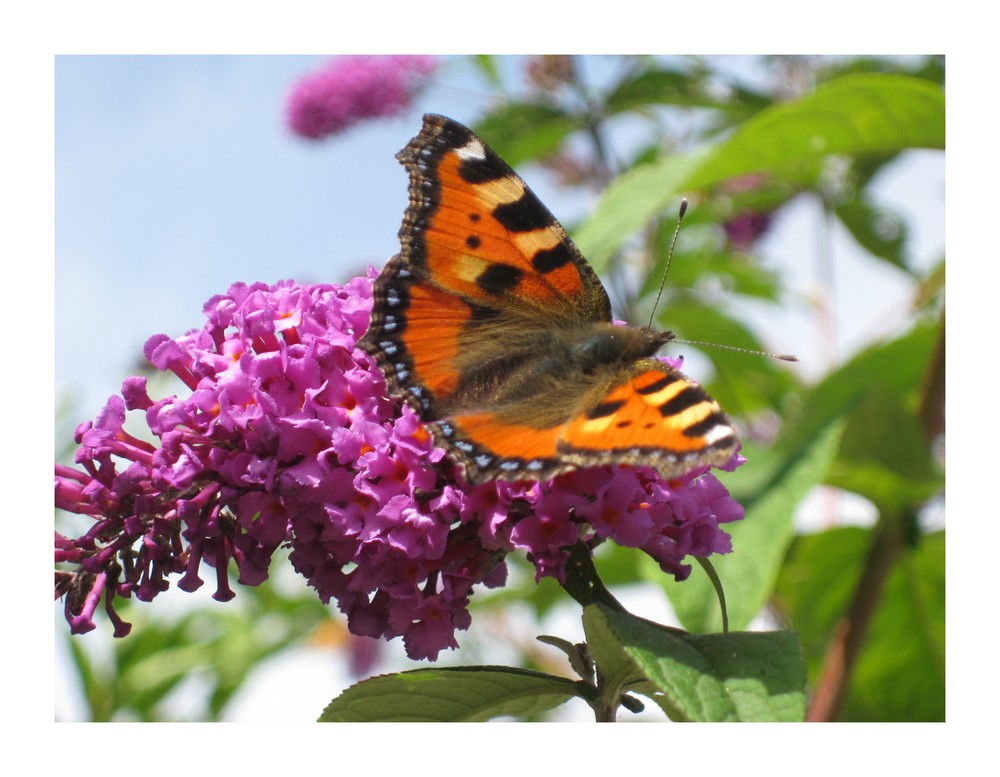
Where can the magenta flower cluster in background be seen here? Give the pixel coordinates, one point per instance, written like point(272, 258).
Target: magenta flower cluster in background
point(744, 228)
point(349, 89)
point(285, 436)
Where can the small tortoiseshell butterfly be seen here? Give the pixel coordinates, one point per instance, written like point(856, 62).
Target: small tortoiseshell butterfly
point(496, 331)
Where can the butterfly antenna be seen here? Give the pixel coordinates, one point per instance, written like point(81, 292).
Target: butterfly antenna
point(786, 357)
point(670, 255)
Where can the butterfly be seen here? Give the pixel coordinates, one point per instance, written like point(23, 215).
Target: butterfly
point(493, 327)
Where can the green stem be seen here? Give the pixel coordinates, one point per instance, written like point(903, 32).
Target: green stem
point(719, 590)
point(606, 713)
point(850, 631)
point(890, 540)
point(582, 581)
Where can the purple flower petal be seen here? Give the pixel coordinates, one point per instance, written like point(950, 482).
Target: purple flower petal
point(286, 437)
point(352, 88)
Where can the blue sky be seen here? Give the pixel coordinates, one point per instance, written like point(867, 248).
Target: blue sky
point(176, 176)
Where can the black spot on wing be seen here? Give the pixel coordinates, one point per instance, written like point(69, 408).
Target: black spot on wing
point(525, 214)
point(687, 398)
point(605, 409)
point(658, 385)
point(477, 171)
point(499, 278)
point(552, 258)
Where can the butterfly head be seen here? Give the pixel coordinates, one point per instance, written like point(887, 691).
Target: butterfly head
point(611, 345)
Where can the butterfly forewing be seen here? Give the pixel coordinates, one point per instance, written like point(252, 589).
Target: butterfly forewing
point(474, 228)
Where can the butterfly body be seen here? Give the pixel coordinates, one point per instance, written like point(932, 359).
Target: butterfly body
point(491, 325)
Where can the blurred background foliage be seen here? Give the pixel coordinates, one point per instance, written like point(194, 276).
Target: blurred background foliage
point(866, 600)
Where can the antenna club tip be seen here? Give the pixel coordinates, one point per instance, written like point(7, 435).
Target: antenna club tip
point(683, 208)
point(788, 357)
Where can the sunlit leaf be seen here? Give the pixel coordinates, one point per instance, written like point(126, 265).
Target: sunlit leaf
point(857, 114)
point(759, 543)
point(449, 695)
point(899, 365)
point(881, 233)
point(900, 672)
point(713, 677)
point(525, 131)
point(742, 382)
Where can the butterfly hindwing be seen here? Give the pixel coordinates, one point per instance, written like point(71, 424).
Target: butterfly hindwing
point(414, 337)
point(496, 331)
point(657, 417)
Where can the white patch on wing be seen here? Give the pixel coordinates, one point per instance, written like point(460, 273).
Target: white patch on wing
point(472, 150)
point(717, 433)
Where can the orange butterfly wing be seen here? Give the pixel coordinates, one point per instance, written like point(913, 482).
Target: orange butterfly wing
point(493, 327)
point(474, 228)
point(657, 418)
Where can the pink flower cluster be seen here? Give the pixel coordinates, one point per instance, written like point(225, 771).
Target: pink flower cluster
point(745, 230)
point(286, 437)
point(352, 88)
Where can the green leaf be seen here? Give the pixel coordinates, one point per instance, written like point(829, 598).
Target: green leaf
point(634, 199)
point(691, 85)
point(882, 429)
point(458, 694)
point(930, 68)
point(658, 86)
point(714, 677)
point(759, 543)
point(487, 65)
point(219, 645)
point(613, 663)
point(525, 131)
point(815, 585)
point(881, 233)
point(899, 365)
point(885, 455)
point(882, 485)
point(742, 383)
point(900, 673)
point(856, 114)
point(705, 264)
